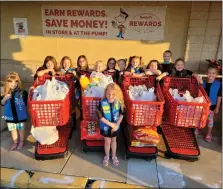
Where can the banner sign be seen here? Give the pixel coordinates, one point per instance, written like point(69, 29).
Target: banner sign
point(104, 22)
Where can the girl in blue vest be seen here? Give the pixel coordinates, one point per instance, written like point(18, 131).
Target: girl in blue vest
point(110, 113)
point(15, 109)
point(134, 67)
point(214, 90)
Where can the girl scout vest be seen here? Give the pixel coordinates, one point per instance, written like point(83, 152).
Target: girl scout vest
point(135, 70)
point(213, 94)
point(20, 107)
point(110, 114)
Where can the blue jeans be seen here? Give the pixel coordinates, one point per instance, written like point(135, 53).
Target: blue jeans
point(120, 35)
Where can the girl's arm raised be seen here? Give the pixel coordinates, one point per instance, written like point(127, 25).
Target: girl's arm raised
point(199, 79)
point(138, 75)
point(42, 72)
point(3, 101)
point(162, 75)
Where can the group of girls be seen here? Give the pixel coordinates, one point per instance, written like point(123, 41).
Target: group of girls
point(111, 108)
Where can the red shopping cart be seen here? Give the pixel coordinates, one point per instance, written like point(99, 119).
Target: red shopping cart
point(90, 133)
point(182, 118)
point(54, 113)
point(141, 114)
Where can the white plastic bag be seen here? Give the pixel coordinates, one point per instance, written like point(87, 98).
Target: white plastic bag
point(105, 80)
point(95, 91)
point(51, 90)
point(186, 96)
point(45, 135)
point(141, 92)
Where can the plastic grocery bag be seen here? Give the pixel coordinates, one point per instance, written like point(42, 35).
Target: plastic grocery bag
point(141, 92)
point(105, 80)
point(95, 91)
point(96, 77)
point(45, 135)
point(51, 90)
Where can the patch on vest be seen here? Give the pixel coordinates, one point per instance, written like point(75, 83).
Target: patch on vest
point(106, 108)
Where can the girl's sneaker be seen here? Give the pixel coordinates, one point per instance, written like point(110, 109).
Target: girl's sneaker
point(208, 138)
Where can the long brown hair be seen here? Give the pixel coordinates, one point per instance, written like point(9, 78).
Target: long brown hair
point(12, 76)
point(84, 68)
point(157, 63)
point(66, 58)
point(131, 58)
point(52, 59)
point(109, 61)
point(118, 93)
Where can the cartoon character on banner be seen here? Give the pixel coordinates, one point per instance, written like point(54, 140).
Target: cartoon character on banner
point(119, 21)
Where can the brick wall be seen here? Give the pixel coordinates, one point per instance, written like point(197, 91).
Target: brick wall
point(204, 34)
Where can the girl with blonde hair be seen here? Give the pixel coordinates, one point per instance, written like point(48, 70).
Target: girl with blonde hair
point(110, 113)
point(15, 108)
point(98, 66)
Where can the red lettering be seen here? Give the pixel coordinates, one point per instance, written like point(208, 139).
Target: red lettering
point(51, 13)
point(65, 23)
point(87, 13)
point(48, 31)
point(56, 13)
point(135, 23)
point(140, 23)
point(95, 24)
point(98, 13)
point(69, 13)
point(88, 24)
point(92, 13)
point(81, 23)
point(80, 12)
point(101, 23)
point(74, 23)
point(131, 23)
point(103, 14)
point(159, 23)
point(146, 24)
point(150, 23)
point(47, 22)
point(46, 12)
